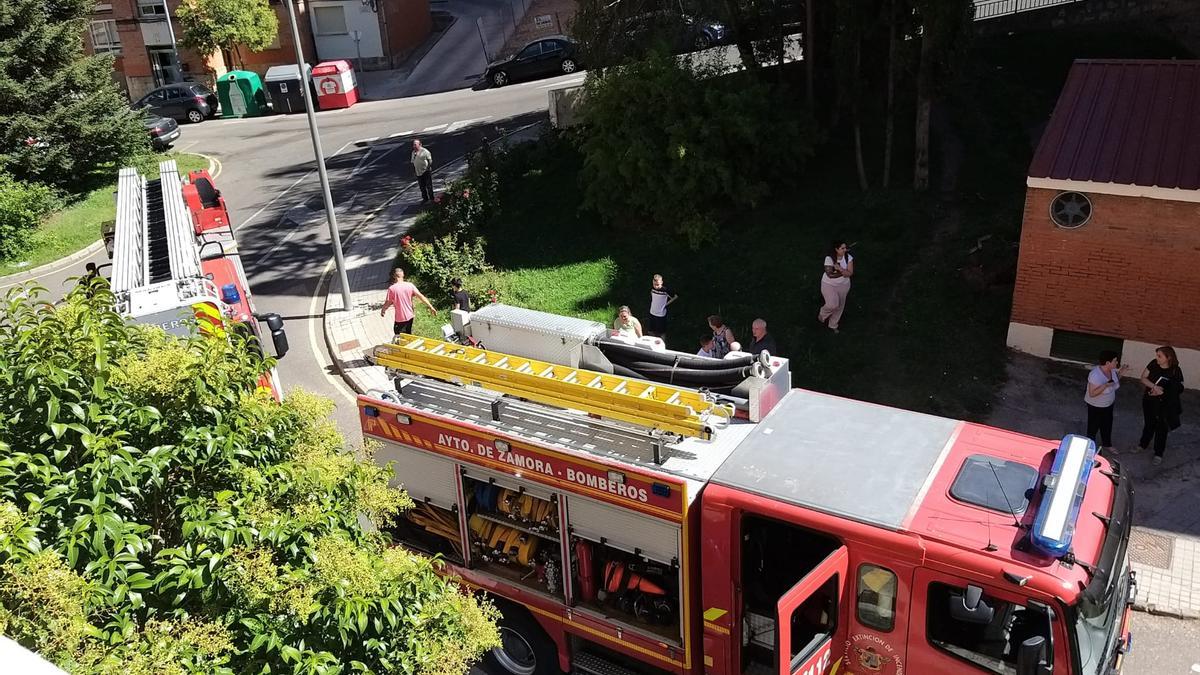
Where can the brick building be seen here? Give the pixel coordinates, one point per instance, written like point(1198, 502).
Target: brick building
point(139, 34)
point(1110, 243)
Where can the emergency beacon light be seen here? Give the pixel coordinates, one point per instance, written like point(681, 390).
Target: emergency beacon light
point(1054, 526)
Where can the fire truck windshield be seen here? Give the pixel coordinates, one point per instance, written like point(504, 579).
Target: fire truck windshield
point(1096, 628)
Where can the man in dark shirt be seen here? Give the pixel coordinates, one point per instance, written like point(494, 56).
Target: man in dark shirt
point(762, 340)
point(461, 299)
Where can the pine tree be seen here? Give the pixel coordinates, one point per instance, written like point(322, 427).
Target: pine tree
point(63, 119)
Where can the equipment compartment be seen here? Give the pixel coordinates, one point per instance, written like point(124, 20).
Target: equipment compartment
point(632, 589)
point(431, 529)
point(515, 534)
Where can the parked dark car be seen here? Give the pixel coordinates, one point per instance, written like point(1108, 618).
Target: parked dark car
point(188, 102)
point(680, 33)
point(163, 130)
point(545, 57)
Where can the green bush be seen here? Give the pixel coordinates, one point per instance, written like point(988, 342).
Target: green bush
point(449, 256)
point(678, 148)
point(22, 207)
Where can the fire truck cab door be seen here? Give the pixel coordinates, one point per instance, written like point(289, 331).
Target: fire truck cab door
point(806, 618)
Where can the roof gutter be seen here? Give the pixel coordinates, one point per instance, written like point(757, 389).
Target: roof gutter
point(1117, 189)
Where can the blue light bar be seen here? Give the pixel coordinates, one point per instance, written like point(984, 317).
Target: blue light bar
point(1054, 526)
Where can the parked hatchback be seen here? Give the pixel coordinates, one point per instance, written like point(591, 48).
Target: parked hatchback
point(188, 102)
point(163, 130)
point(545, 57)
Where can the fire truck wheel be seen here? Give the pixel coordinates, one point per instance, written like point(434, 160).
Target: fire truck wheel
point(524, 647)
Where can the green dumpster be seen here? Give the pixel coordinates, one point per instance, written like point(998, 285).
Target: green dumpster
point(242, 94)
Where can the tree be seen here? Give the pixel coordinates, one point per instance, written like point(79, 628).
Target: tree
point(158, 514)
point(210, 25)
point(669, 146)
point(945, 27)
point(62, 118)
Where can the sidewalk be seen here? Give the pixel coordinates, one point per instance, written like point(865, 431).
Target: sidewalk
point(370, 253)
point(1045, 398)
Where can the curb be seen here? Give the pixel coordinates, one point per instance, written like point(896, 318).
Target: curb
point(87, 252)
point(52, 266)
point(1167, 612)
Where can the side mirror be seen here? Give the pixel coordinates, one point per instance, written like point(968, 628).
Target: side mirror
point(1031, 657)
point(278, 334)
point(970, 607)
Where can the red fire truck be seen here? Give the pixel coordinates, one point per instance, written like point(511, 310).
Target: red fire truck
point(176, 262)
point(624, 522)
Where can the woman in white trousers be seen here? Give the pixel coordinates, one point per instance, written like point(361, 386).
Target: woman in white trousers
point(835, 284)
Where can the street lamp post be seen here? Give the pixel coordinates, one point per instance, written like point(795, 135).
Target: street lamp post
point(334, 236)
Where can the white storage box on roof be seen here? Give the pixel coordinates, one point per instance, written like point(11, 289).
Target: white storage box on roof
point(533, 334)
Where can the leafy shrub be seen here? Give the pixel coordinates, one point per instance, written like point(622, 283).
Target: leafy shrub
point(443, 259)
point(674, 147)
point(22, 207)
point(159, 515)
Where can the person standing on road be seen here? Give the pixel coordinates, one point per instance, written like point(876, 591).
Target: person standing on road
point(1161, 407)
point(835, 284)
point(1102, 384)
point(422, 162)
point(400, 295)
point(660, 298)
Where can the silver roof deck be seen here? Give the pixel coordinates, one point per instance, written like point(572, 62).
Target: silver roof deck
point(857, 460)
point(691, 459)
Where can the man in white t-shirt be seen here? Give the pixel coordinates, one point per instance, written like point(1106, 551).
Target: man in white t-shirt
point(660, 298)
point(1101, 393)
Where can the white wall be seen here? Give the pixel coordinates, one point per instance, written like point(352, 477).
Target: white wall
point(358, 17)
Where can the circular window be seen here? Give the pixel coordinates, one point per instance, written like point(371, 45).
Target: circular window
point(1070, 210)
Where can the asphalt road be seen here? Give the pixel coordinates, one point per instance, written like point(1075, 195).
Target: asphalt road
point(1163, 646)
point(268, 178)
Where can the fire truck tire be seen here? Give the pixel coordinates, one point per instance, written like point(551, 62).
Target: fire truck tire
point(524, 649)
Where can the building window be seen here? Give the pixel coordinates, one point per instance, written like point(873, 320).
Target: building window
point(876, 597)
point(152, 9)
point(1070, 210)
point(102, 7)
point(1069, 345)
point(330, 20)
point(104, 37)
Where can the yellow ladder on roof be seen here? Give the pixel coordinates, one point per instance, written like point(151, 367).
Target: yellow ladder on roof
point(682, 411)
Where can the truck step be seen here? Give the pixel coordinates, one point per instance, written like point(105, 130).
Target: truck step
point(590, 664)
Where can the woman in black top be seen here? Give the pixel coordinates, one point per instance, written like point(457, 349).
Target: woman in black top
point(1163, 380)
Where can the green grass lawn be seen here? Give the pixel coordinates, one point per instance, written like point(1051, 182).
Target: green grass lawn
point(78, 224)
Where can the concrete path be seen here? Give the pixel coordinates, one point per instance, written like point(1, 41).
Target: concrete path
point(1045, 398)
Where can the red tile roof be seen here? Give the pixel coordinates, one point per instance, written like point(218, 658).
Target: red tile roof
point(1125, 122)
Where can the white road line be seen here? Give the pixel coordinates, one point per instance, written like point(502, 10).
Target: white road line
point(455, 126)
point(290, 187)
point(400, 133)
point(358, 167)
point(436, 127)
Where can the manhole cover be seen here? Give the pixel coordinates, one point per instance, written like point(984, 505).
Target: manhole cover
point(1146, 548)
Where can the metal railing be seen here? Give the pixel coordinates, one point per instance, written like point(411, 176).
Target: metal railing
point(991, 9)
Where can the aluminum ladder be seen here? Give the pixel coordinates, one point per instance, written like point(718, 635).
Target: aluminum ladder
point(649, 404)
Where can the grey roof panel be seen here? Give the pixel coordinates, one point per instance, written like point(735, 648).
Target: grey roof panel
point(862, 461)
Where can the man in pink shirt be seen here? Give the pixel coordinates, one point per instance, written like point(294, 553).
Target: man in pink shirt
point(400, 295)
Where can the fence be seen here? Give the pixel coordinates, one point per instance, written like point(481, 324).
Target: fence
point(990, 9)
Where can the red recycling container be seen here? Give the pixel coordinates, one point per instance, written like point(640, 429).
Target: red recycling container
point(335, 84)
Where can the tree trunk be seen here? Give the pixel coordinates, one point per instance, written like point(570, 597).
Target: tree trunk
point(924, 107)
point(858, 153)
point(890, 116)
point(808, 56)
point(744, 46)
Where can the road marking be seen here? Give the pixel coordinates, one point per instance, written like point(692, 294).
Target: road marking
point(436, 127)
point(400, 133)
point(455, 126)
point(359, 166)
point(220, 167)
point(291, 187)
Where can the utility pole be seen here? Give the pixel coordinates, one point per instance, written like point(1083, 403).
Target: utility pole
point(334, 237)
point(174, 46)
